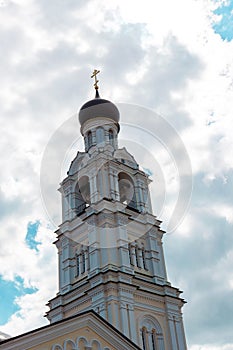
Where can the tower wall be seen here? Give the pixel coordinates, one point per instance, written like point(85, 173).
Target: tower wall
point(109, 243)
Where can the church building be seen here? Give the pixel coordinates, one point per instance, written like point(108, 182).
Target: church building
point(113, 288)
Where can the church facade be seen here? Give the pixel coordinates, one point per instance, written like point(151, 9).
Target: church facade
point(113, 287)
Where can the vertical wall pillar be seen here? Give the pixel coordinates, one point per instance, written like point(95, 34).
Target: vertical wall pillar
point(105, 182)
point(93, 188)
point(162, 260)
point(94, 250)
point(66, 264)
point(124, 319)
point(116, 319)
point(71, 205)
point(116, 186)
point(180, 333)
point(124, 256)
point(60, 268)
point(133, 333)
point(110, 312)
point(139, 195)
point(102, 311)
point(173, 332)
point(161, 342)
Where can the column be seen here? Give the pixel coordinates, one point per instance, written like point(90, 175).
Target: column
point(150, 340)
point(105, 178)
point(144, 259)
point(144, 339)
point(140, 197)
point(86, 256)
point(140, 261)
point(112, 184)
point(133, 254)
point(116, 186)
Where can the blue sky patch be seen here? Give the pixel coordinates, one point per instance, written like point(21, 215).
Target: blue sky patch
point(224, 27)
point(9, 291)
point(148, 171)
point(30, 238)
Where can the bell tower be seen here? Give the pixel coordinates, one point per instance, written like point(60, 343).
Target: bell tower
point(109, 243)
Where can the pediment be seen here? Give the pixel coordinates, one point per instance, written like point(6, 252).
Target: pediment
point(123, 154)
point(78, 162)
point(80, 332)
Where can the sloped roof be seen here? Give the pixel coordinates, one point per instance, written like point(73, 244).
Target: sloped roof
point(88, 319)
point(4, 336)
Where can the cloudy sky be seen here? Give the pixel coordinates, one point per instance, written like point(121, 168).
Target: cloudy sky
point(172, 57)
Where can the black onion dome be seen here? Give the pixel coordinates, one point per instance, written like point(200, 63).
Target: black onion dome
point(98, 107)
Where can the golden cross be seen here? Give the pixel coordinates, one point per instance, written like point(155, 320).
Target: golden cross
point(94, 74)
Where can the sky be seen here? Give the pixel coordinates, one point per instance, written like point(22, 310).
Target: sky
point(174, 58)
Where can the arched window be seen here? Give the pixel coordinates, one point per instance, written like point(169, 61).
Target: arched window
point(95, 345)
point(69, 345)
point(82, 343)
point(57, 347)
point(151, 334)
point(99, 136)
point(111, 137)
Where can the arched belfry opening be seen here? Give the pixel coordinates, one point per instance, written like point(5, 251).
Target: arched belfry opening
point(127, 190)
point(82, 194)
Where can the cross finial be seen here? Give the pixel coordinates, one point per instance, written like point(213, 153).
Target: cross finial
point(94, 75)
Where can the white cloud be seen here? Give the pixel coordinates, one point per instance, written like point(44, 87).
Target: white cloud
point(212, 347)
point(165, 56)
